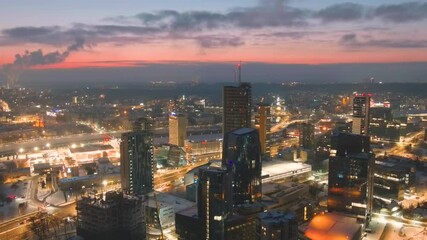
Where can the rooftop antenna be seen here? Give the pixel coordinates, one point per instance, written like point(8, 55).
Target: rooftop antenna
point(235, 74)
point(239, 72)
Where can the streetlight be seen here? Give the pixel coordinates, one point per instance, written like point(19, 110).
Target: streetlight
point(36, 148)
point(21, 150)
point(104, 183)
point(47, 145)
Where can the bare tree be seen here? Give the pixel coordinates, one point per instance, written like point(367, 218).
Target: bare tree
point(44, 225)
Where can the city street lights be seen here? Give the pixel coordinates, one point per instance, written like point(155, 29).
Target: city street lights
point(20, 151)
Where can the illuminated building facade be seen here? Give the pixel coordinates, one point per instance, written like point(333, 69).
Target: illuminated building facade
point(199, 149)
point(350, 182)
point(4, 107)
point(263, 124)
point(177, 129)
point(243, 157)
point(393, 176)
point(214, 201)
point(75, 100)
point(169, 155)
point(89, 153)
point(361, 111)
point(136, 159)
point(325, 125)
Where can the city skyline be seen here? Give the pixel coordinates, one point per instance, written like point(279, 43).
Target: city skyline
point(76, 142)
point(89, 40)
point(213, 119)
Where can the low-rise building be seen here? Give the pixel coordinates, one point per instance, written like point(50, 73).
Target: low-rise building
point(393, 176)
point(90, 153)
point(199, 148)
point(274, 225)
point(333, 226)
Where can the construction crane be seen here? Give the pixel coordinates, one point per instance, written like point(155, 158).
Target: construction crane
point(238, 72)
point(162, 237)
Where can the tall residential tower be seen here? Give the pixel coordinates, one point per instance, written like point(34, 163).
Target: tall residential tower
point(136, 159)
point(361, 111)
point(214, 202)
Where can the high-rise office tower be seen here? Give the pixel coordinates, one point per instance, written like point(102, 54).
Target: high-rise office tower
point(361, 110)
point(306, 137)
point(214, 202)
point(136, 159)
point(243, 157)
point(263, 124)
point(237, 107)
point(350, 178)
point(177, 129)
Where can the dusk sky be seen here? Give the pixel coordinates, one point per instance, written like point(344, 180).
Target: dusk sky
point(80, 34)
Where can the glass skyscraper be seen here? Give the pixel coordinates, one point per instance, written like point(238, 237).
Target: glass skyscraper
point(306, 137)
point(243, 158)
point(237, 107)
point(350, 182)
point(214, 202)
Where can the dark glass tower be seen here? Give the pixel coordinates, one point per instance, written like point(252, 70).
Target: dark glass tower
point(306, 138)
point(136, 159)
point(350, 182)
point(243, 158)
point(237, 107)
point(214, 201)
